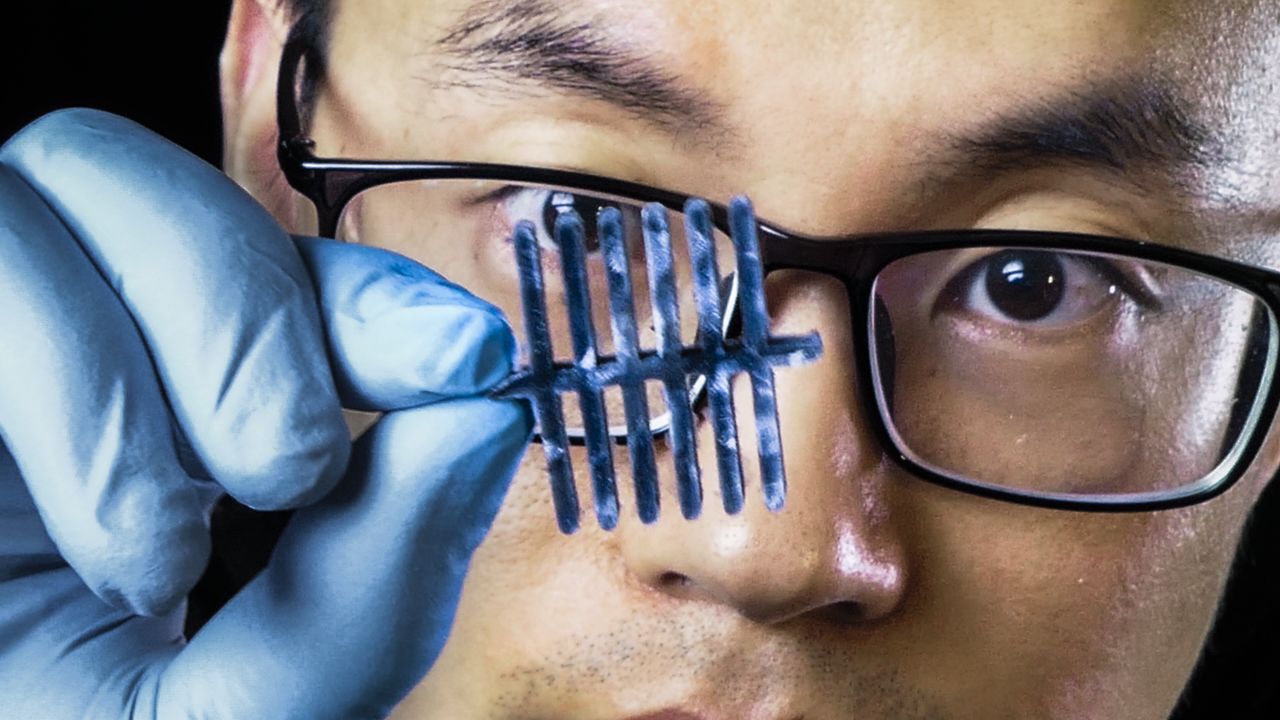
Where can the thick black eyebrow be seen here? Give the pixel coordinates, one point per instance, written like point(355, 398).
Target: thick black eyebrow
point(535, 42)
point(1134, 127)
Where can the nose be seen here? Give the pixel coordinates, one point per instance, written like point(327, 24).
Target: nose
point(833, 550)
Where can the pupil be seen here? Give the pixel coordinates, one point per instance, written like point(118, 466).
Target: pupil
point(560, 202)
point(1025, 285)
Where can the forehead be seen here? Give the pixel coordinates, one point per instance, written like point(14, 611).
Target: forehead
point(801, 67)
point(728, 42)
point(796, 78)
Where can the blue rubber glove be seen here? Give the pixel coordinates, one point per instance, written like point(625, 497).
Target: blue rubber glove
point(144, 296)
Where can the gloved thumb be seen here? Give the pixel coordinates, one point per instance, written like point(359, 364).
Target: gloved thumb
point(401, 335)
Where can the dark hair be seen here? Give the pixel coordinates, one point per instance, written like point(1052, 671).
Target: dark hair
point(310, 23)
point(311, 18)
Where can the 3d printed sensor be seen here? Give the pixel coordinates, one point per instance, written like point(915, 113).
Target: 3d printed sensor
point(693, 376)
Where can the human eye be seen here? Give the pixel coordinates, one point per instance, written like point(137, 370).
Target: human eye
point(542, 205)
point(1025, 290)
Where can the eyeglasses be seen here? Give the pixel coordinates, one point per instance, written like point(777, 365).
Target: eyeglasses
point(1051, 369)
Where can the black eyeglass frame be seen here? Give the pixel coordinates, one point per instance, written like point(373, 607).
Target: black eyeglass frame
point(855, 260)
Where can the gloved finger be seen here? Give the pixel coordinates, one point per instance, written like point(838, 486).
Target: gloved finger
point(361, 589)
point(85, 419)
point(399, 334)
point(69, 656)
point(219, 294)
point(349, 615)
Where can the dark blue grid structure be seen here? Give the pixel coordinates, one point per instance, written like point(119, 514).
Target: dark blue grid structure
point(714, 357)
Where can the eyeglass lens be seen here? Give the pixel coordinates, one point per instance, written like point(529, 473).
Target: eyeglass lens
point(1066, 373)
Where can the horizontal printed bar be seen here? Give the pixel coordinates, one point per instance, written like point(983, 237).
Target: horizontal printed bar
point(785, 351)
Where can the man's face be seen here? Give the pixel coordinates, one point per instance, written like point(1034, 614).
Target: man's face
point(872, 594)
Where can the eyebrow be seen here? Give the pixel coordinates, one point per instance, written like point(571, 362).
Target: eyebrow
point(534, 42)
point(1135, 127)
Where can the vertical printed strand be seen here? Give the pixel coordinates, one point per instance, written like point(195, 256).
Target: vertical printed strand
point(675, 383)
point(626, 343)
point(755, 339)
point(706, 285)
point(573, 258)
point(546, 402)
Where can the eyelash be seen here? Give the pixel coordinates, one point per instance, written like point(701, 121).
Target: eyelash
point(545, 225)
point(956, 289)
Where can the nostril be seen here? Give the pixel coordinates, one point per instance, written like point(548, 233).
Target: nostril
point(673, 581)
point(845, 612)
point(679, 586)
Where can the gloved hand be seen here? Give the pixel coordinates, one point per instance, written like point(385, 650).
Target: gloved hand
point(143, 297)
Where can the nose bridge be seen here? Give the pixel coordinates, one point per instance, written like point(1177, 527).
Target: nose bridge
point(835, 465)
point(819, 405)
point(832, 545)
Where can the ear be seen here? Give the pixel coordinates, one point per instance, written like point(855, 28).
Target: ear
point(249, 64)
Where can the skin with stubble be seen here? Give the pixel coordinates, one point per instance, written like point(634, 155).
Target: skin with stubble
point(872, 594)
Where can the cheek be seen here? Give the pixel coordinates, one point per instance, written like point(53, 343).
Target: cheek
point(531, 595)
point(524, 546)
point(1064, 425)
point(526, 570)
point(1075, 612)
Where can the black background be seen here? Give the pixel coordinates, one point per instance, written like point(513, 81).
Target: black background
point(156, 62)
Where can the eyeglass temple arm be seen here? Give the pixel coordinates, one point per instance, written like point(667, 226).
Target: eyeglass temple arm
point(288, 115)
